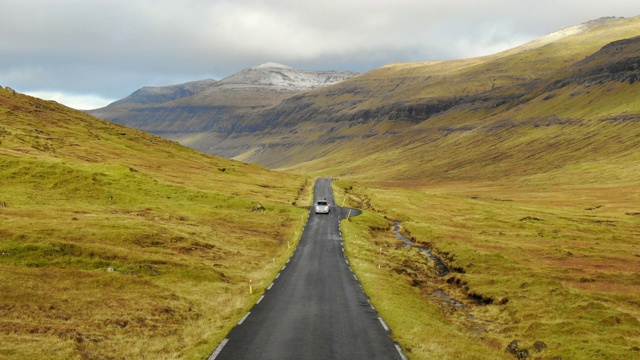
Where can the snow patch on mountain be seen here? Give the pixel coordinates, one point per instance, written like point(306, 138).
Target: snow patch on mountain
point(271, 65)
point(281, 77)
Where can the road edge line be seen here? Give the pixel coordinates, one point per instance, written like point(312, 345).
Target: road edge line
point(244, 318)
point(217, 351)
point(384, 325)
point(400, 352)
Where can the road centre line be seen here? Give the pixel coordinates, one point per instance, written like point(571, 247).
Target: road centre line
point(217, 351)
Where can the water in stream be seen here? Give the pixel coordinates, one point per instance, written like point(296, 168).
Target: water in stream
point(442, 268)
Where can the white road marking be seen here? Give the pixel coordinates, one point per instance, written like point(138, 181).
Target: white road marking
point(354, 276)
point(284, 267)
point(277, 276)
point(261, 297)
point(269, 288)
point(386, 328)
point(217, 351)
point(246, 316)
point(400, 352)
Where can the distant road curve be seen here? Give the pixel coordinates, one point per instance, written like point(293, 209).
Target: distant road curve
point(315, 309)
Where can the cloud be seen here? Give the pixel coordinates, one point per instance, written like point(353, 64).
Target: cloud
point(76, 101)
point(113, 47)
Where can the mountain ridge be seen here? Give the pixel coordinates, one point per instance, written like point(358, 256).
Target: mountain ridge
point(383, 110)
point(215, 105)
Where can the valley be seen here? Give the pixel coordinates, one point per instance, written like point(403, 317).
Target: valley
point(519, 170)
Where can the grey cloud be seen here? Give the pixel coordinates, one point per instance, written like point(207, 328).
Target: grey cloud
point(112, 47)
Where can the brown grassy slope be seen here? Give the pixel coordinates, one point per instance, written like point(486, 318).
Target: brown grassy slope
point(119, 244)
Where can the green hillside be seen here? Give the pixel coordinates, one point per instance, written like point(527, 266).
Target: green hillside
point(118, 244)
point(554, 104)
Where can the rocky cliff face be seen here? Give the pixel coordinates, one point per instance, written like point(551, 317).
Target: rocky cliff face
point(617, 61)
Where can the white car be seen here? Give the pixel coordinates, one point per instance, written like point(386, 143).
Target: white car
point(322, 207)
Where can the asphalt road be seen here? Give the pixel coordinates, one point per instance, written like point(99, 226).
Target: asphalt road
point(315, 308)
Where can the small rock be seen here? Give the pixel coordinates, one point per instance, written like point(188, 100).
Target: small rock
point(110, 269)
point(258, 208)
point(522, 354)
point(512, 348)
point(539, 346)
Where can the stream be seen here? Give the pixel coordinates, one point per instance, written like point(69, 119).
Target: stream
point(442, 268)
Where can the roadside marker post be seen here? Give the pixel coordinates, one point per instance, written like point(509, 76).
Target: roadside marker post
point(379, 266)
point(250, 286)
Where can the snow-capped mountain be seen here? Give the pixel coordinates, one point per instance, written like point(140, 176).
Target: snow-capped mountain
point(282, 77)
point(210, 105)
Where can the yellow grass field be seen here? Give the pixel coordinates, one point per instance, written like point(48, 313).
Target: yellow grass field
point(556, 265)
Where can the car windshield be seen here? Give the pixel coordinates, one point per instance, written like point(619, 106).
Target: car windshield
point(322, 203)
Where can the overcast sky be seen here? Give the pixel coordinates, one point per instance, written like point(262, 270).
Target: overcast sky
point(88, 53)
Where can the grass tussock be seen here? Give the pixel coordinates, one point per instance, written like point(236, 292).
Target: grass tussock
point(552, 266)
point(119, 244)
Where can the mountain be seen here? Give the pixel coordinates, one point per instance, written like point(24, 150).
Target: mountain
point(161, 94)
point(116, 243)
point(218, 106)
point(566, 78)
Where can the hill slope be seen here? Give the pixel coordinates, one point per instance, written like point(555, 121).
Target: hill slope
point(119, 244)
point(401, 107)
